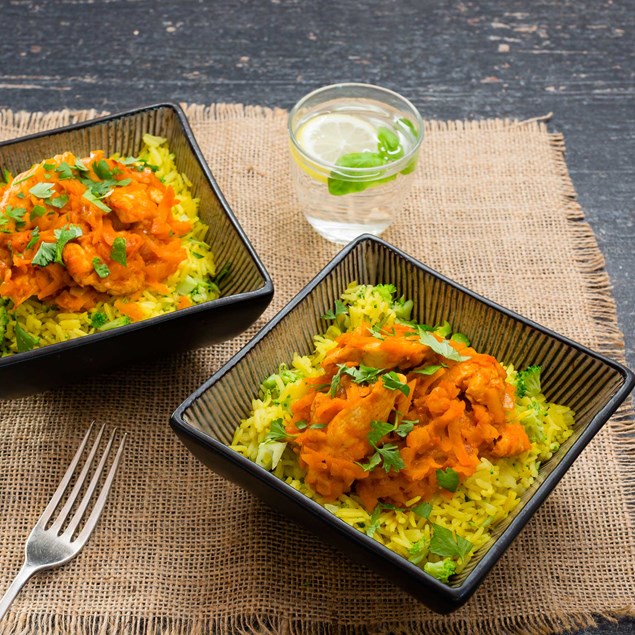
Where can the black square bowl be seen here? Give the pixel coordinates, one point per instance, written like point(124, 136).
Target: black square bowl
point(245, 293)
point(573, 375)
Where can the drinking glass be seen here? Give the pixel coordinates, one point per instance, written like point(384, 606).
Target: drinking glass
point(354, 150)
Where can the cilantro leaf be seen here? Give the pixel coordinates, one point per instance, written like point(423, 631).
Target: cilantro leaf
point(340, 308)
point(45, 255)
point(118, 251)
point(372, 463)
point(429, 370)
point(90, 196)
point(65, 171)
point(392, 382)
point(442, 347)
point(337, 378)
point(101, 268)
point(423, 510)
point(35, 236)
point(42, 190)
point(448, 479)
point(64, 235)
point(378, 430)
point(374, 522)
point(405, 428)
point(363, 373)
point(80, 166)
point(101, 169)
point(460, 337)
point(277, 431)
point(37, 211)
point(445, 544)
point(24, 340)
point(16, 214)
point(391, 457)
point(59, 201)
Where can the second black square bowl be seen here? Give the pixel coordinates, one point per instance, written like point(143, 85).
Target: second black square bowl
point(592, 385)
point(245, 293)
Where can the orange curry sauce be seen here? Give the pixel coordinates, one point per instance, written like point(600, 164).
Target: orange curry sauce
point(98, 200)
point(460, 412)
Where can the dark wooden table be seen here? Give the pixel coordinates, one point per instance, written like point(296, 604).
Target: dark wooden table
point(455, 60)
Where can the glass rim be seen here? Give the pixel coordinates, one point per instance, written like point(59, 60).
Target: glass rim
point(359, 172)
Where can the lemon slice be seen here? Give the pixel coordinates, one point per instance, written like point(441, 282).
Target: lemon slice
point(327, 137)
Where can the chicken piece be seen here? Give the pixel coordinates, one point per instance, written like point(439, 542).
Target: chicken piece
point(331, 455)
point(121, 280)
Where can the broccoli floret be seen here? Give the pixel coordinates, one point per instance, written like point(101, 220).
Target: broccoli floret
point(533, 422)
point(441, 570)
point(120, 321)
point(528, 382)
point(98, 319)
point(386, 291)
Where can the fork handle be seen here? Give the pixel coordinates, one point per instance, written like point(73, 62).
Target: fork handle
point(20, 580)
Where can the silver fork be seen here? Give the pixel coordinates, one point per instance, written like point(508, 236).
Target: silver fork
point(48, 548)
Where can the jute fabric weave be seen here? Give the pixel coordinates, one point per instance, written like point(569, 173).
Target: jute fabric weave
point(180, 550)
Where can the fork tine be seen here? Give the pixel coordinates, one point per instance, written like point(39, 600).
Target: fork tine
point(61, 517)
point(101, 499)
point(59, 492)
point(79, 512)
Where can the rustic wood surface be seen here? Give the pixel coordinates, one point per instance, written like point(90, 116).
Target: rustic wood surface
point(455, 60)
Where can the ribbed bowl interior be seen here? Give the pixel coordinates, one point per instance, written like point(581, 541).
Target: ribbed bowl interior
point(570, 376)
point(124, 134)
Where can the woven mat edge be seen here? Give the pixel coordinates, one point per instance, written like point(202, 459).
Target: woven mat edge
point(597, 291)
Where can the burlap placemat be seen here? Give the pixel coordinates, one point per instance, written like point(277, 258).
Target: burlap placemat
point(180, 550)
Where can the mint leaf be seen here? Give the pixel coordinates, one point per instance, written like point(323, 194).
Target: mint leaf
point(448, 479)
point(118, 251)
point(340, 184)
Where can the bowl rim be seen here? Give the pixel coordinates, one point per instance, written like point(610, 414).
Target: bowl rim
point(459, 594)
point(266, 289)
